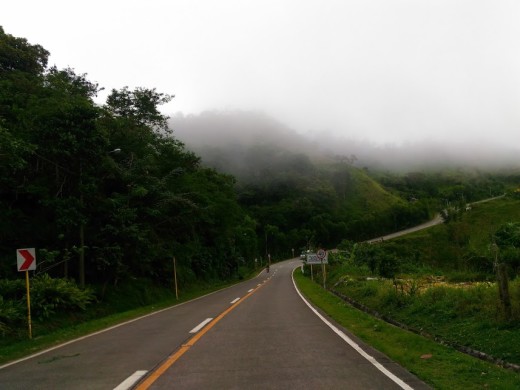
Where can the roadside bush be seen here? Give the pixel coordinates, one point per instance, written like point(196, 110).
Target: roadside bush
point(49, 296)
point(135, 292)
point(13, 308)
point(369, 290)
point(477, 301)
point(12, 289)
point(388, 265)
point(11, 314)
point(478, 262)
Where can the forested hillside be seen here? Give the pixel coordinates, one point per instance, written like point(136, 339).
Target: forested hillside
point(105, 192)
point(301, 195)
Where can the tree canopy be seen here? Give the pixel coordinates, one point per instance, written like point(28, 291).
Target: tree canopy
point(109, 181)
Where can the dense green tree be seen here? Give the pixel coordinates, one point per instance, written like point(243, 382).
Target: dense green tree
point(100, 215)
point(17, 55)
point(506, 243)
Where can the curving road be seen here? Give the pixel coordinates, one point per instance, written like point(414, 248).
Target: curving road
point(259, 334)
point(437, 220)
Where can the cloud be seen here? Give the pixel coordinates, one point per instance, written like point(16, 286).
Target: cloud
point(377, 70)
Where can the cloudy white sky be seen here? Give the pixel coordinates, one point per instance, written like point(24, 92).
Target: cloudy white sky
point(389, 71)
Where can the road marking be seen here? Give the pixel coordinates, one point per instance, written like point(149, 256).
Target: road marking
point(110, 328)
point(355, 345)
point(154, 375)
point(131, 380)
point(250, 290)
point(235, 300)
point(201, 325)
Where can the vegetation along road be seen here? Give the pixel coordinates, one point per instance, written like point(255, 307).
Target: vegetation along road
point(257, 334)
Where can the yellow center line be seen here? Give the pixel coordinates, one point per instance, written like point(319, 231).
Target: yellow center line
point(150, 379)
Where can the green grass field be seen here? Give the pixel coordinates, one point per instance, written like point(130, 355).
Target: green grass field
point(445, 369)
point(445, 287)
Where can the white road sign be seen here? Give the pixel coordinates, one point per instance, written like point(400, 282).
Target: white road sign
point(26, 259)
point(312, 258)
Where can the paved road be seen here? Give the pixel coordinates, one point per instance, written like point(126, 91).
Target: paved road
point(437, 220)
point(267, 339)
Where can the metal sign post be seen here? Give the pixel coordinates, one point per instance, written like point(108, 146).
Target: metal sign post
point(322, 256)
point(324, 273)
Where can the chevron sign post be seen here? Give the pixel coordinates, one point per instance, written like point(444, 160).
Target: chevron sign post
point(26, 261)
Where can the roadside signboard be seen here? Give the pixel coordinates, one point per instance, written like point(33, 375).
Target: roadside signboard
point(313, 258)
point(26, 259)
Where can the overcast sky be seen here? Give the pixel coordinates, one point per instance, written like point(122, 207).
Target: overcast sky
point(388, 71)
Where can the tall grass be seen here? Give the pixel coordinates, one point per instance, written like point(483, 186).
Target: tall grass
point(445, 369)
point(467, 315)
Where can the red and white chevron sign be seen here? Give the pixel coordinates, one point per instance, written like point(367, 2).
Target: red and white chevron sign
point(26, 259)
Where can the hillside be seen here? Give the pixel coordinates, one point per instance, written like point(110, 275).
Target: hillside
point(306, 196)
point(368, 196)
point(463, 244)
point(448, 282)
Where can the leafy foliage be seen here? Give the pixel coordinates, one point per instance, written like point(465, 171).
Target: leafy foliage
point(66, 191)
point(49, 296)
point(507, 238)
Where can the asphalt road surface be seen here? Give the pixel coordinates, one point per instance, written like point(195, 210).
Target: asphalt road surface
point(259, 334)
point(437, 220)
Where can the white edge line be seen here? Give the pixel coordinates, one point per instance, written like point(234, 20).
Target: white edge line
point(201, 325)
point(250, 290)
point(353, 344)
point(235, 300)
point(131, 380)
point(114, 327)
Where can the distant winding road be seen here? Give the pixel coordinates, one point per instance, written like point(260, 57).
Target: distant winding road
point(437, 220)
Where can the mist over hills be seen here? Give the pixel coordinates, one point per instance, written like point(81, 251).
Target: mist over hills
point(224, 139)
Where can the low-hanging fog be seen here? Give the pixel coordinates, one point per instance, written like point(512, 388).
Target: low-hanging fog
point(397, 83)
point(229, 135)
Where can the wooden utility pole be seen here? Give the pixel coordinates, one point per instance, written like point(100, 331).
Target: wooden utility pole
point(503, 289)
point(175, 278)
point(29, 321)
point(503, 284)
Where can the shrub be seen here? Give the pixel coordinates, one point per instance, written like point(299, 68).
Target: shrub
point(388, 265)
point(12, 289)
point(369, 289)
point(50, 296)
point(11, 314)
point(394, 299)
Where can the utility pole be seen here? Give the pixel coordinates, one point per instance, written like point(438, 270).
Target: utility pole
point(81, 232)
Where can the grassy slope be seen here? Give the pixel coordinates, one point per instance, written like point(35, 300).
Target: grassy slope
point(439, 245)
point(367, 195)
point(455, 316)
point(445, 369)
